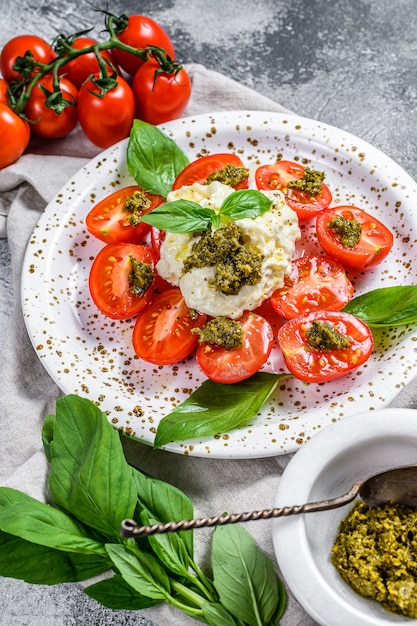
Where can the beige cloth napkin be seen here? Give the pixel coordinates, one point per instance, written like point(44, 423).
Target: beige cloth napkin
point(27, 393)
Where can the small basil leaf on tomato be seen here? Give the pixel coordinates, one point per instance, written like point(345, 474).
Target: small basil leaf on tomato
point(386, 306)
point(245, 203)
point(153, 159)
point(180, 216)
point(217, 408)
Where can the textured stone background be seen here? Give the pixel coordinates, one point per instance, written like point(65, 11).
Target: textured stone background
point(351, 64)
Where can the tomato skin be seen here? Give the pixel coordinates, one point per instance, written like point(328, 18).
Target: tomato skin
point(46, 122)
point(278, 175)
point(141, 32)
point(197, 171)
point(316, 366)
point(107, 219)
point(314, 283)
point(162, 333)
point(108, 280)
point(375, 243)
point(4, 85)
point(16, 47)
point(15, 136)
point(231, 366)
point(107, 120)
point(163, 98)
point(79, 69)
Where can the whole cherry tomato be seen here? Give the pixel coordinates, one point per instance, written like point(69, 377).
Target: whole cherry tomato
point(160, 96)
point(48, 123)
point(86, 65)
point(141, 31)
point(108, 119)
point(15, 135)
point(17, 47)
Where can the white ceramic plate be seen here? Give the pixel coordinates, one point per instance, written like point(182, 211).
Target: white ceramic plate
point(326, 467)
point(92, 356)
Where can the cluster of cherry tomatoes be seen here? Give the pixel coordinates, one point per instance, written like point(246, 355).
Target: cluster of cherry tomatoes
point(316, 289)
point(47, 89)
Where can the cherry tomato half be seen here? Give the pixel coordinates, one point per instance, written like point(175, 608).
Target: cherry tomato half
point(109, 280)
point(108, 119)
point(15, 136)
point(159, 96)
point(141, 32)
point(315, 365)
point(162, 333)
point(278, 175)
point(79, 69)
point(315, 283)
point(375, 242)
point(231, 366)
point(17, 47)
point(109, 219)
point(47, 123)
point(198, 171)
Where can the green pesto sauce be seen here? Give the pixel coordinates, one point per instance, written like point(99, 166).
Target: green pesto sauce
point(375, 552)
point(236, 264)
point(221, 331)
point(230, 175)
point(324, 336)
point(349, 231)
point(310, 182)
point(135, 205)
point(140, 276)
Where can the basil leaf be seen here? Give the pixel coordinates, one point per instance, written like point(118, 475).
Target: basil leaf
point(244, 577)
point(215, 614)
point(115, 593)
point(216, 408)
point(245, 203)
point(386, 306)
point(89, 475)
point(41, 565)
point(153, 159)
point(180, 216)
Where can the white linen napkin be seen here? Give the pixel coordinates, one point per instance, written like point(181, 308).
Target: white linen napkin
point(27, 393)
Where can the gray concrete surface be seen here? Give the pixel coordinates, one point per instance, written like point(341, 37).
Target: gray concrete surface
point(351, 64)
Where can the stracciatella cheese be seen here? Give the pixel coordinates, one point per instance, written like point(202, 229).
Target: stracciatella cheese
point(273, 234)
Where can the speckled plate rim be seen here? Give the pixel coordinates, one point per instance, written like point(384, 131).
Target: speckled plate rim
point(86, 361)
point(369, 443)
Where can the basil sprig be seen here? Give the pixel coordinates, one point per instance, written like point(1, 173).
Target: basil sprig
point(185, 216)
point(386, 306)
point(77, 536)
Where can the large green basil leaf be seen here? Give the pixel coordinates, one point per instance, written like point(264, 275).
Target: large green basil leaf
point(180, 216)
point(115, 593)
point(386, 306)
point(245, 203)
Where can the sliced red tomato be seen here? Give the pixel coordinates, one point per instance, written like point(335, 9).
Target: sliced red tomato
point(198, 171)
point(162, 333)
point(278, 175)
point(109, 280)
point(315, 283)
point(157, 237)
point(375, 242)
point(231, 366)
point(314, 365)
point(110, 220)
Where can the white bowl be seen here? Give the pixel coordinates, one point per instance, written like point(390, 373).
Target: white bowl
point(327, 466)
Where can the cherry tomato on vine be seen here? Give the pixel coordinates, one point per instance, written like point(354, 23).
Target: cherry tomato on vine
point(198, 171)
point(141, 31)
point(314, 364)
point(278, 175)
point(162, 333)
point(375, 240)
point(111, 221)
point(160, 97)
point(314, 283)
point(15, 135)
point(108, 119)
point(3, 91)
point(47, 123)
point(79, 69)
point(109, 280)
point(17, 47)
point(236, 364)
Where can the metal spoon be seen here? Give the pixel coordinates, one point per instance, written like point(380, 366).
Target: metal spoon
point(393, 486)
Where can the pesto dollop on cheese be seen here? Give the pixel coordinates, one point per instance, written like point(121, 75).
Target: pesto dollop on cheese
point(267, 242)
